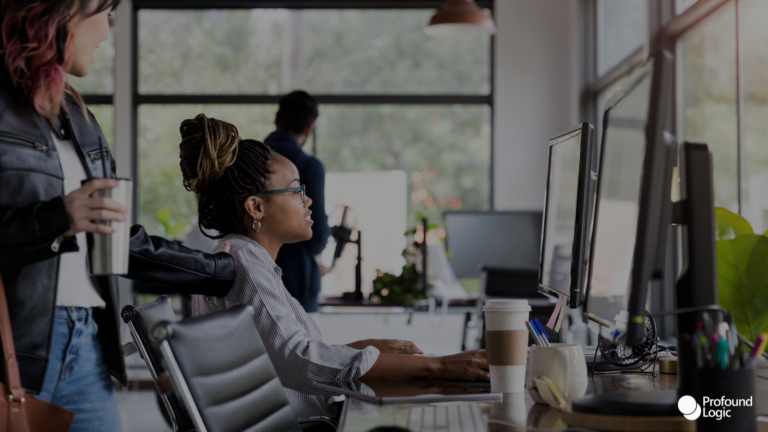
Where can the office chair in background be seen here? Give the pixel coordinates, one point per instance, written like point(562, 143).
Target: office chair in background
point(221, 371)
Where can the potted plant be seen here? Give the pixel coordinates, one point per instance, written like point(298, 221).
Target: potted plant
point(742, 268)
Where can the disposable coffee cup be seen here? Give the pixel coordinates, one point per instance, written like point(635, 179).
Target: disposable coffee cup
point(108, 253)
point(506, 342)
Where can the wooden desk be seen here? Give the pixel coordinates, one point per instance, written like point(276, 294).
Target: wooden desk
point(519, 412)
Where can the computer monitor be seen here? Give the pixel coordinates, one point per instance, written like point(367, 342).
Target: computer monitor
point(507, 239)
point(568, 203)
point(633, 207)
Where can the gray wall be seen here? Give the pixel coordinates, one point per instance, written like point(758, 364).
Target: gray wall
point(536, 78)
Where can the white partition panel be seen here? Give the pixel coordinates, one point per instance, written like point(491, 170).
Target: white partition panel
point(378, 201)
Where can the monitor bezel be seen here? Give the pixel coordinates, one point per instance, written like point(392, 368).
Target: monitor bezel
point(584, 200)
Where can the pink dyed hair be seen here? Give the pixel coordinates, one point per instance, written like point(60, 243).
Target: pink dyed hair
point(35, 54)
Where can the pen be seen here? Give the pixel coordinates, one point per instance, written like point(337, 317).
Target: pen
point(736, 358)
point(722, 353)
point(705, 349)
point(533, 333)
point(732, 339)
point(757, 351)
point(707, 323)
point(699, 355)
point(539, 339)
point(722, 329)
point(542, 331)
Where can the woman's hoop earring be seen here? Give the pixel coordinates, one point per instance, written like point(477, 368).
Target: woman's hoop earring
point(254, 225)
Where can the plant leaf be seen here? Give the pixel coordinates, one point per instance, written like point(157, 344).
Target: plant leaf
point(743, 282)
point(729, 225)
point(756, 287)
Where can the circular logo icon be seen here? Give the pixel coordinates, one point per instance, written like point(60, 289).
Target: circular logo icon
point(689, 407)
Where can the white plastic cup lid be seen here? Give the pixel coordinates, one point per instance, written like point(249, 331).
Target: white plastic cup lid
point(506, 305)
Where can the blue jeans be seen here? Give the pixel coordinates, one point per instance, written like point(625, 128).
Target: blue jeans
point(77, 378)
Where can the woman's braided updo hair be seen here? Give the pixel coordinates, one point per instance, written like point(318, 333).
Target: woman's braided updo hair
point(222, 170)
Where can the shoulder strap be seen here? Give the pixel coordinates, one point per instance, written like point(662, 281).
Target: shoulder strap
point(301, 161)
point(13, 381)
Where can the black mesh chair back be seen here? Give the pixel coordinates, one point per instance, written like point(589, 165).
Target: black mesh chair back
point(511, 283)
point(222, 372)
point(140, 321)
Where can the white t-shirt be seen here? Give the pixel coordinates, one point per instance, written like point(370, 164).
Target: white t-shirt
point(76, 287)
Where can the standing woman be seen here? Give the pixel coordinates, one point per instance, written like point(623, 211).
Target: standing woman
point(65, 322)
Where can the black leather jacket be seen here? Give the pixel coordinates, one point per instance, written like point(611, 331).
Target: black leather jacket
point(33, 219)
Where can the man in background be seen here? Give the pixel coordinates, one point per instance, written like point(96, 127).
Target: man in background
point(300, 262)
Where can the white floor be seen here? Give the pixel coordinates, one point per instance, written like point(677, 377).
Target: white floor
point(139, 412)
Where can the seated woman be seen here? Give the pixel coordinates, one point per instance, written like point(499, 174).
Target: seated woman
point(254, 198)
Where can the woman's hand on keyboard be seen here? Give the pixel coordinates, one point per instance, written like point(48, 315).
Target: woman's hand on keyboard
point(463, 366)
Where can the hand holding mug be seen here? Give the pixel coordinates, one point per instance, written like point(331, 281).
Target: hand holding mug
point(84, 209)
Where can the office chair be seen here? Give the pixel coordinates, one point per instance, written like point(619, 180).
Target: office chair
point(221, 371)
point(140, 320)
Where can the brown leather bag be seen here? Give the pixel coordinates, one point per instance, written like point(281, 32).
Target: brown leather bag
point(20, 412)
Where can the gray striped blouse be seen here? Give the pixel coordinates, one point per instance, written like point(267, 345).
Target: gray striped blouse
point(290, 336)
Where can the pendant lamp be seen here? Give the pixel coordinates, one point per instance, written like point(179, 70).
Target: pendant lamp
point(461, 17)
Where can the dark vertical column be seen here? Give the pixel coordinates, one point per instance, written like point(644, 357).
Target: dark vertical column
point(698, 285)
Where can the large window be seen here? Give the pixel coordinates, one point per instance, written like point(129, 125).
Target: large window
point(707, 103)
point(727, 109)
point(622, 27)
point(274, 51)
point(390, 98)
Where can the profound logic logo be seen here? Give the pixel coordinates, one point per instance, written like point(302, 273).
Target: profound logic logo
point(689, 407)
point(713, 408)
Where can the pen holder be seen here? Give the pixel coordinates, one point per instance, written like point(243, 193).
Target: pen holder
point(729, 404)
point(563, 364)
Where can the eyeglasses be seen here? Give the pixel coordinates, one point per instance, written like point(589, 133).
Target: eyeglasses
point(277, 191)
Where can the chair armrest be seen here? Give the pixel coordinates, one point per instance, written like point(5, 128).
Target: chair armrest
point(130, 348)
point(317, 419)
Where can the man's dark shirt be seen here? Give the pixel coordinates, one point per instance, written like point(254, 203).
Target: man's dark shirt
point(301, 275)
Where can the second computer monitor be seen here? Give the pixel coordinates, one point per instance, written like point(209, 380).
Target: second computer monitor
point(633, 207)
point(567, 213)
point(618, 201)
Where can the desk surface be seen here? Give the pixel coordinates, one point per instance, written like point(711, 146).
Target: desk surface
point(518, 412)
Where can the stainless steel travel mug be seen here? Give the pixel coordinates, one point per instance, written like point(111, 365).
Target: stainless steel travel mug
point(108, 253)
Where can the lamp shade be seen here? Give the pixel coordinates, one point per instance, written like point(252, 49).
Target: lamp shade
point(460, 17)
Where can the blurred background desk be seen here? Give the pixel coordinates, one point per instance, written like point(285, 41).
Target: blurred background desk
point(458, 328)
point(519, 412)
point(342, 323)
